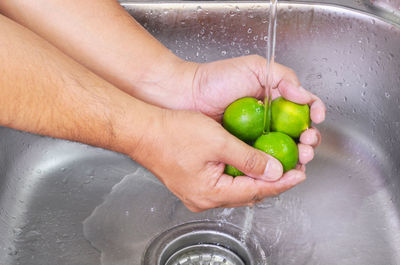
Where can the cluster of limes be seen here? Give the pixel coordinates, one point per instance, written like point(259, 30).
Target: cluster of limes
point(244, 118)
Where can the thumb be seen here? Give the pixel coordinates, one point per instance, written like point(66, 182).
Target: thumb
point(254, 163)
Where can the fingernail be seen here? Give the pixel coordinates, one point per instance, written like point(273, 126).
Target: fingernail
point(320, 117)
point(309, 138)
point(314, 139)
point(319, 109)
point(273, 170)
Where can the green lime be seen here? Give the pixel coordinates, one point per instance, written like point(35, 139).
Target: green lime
point(289, 118)
point(232, 171)
point(244, 118)
point(280, 146)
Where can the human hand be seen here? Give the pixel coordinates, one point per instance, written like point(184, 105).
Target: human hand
point(188, 151)
point(217, 84)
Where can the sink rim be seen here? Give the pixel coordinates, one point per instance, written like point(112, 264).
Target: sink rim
point(369, 10)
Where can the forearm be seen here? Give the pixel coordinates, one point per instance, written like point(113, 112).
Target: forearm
point(45, 92)
point(101, 35)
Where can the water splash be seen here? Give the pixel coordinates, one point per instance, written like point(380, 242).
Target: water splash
point(248, 224)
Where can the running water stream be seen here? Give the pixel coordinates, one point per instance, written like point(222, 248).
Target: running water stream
point(248, 220)
point(270, 62)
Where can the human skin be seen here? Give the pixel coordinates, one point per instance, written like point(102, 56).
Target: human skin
point(80, 106)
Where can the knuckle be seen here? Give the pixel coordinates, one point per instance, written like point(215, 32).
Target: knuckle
point(271, 191)
point(222, 142)
point(251, 161)
point(258, 58)
point(250, 204)
point(194, 209)
point(291, 72)
point(204, 205)
point(258, 196)
point(255, 198)
point(274, 192)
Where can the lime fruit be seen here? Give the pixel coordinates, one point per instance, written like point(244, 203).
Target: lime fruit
point(244, 118)
point(280, 146)
point(289, 118)
point(232, 171)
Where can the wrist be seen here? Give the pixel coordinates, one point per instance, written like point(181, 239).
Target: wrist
point(166, 82)
point(135, 126)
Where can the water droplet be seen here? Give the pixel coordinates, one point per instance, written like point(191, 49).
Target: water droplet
point(32, 234)
point(345, 99)
point(199, 9)
point(17, 231)
point(247, 51)
point(65, 180)
point(87, 181)
point(223, 53)
point(373, 21)
point(250, 30)
point(365, 85)
point(363, 93)
point(387, 95)
point(12, 251)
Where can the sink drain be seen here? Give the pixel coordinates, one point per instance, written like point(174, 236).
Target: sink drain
point(204, 254)
point(202, 243)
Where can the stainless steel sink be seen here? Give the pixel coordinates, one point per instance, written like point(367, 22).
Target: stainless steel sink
point(347, 212)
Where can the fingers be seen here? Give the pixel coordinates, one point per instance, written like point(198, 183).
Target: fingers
point(289, 87)
point(244, 191)
point(311, 137)
point(281, 72)
point(287, 84)
point(299, 95)
point(294, 93)
point(306, 153)
point(301, 167)
point(317, 110)
point(252, 162)
point(285, 79)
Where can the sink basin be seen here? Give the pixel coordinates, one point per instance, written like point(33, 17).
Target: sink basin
point(348, 210)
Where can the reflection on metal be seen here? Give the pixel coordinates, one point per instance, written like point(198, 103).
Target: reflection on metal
point(348, 210)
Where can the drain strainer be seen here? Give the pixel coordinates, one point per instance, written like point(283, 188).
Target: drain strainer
point(201, 243)
point(204, 254)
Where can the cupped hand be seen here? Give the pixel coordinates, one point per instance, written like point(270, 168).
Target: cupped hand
point(217, 84)
point(188, 151)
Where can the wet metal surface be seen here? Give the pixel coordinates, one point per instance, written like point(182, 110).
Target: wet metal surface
point(347, 212)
